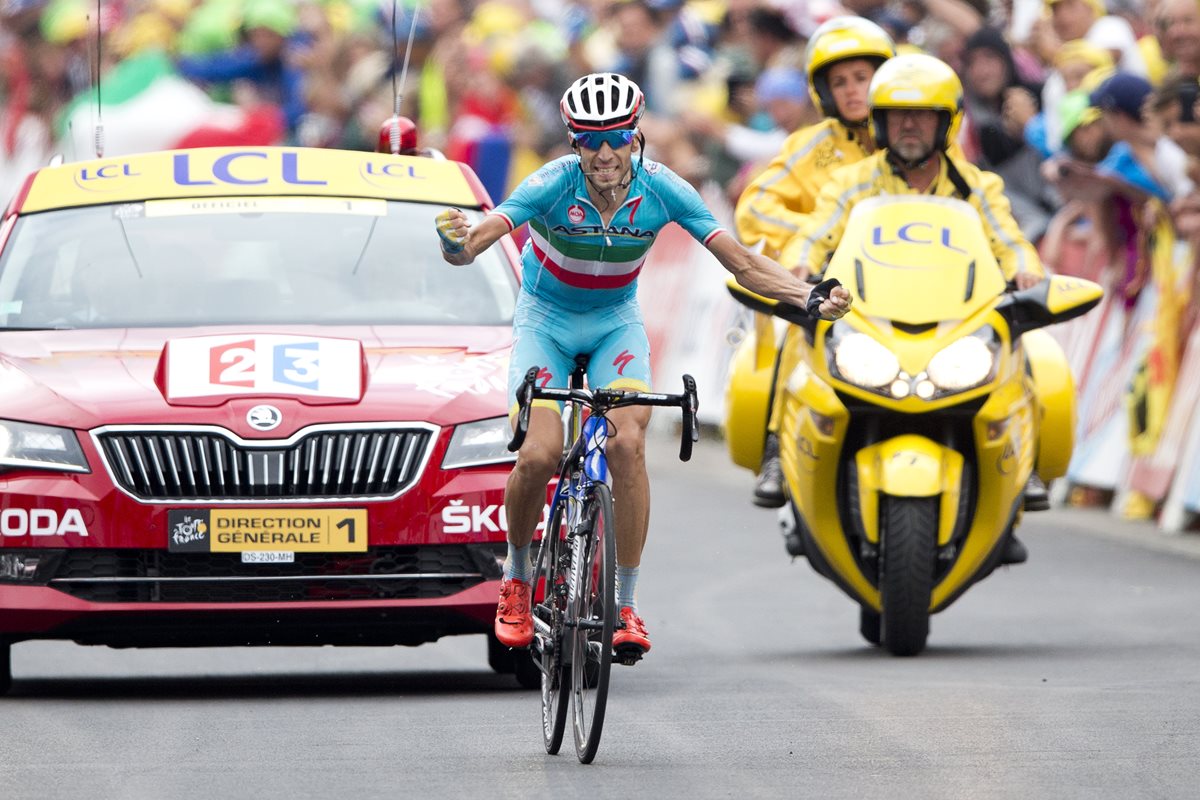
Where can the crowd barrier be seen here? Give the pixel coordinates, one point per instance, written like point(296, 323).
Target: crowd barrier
point(689, 317)
point(1136, 362)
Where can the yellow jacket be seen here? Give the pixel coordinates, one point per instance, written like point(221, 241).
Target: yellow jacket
point(817, 238)
point(774, 204)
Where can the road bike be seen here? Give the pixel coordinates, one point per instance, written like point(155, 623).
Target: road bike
point(575, 615)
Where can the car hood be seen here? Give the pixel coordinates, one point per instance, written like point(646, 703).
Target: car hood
point(87, 378)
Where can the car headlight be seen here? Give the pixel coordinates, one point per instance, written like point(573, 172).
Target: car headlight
point(482, 442)
point(966, 363)
point(24, 445)
point(859, 359)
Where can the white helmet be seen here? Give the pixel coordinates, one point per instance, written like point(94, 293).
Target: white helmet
point(602, 101)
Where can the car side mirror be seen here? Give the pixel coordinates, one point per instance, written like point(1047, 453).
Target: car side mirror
point(1049, 302)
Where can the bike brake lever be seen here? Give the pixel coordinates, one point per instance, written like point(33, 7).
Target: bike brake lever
point(691, 431)
point(524, 404)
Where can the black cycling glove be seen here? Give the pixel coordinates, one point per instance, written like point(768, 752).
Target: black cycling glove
point(820, 293)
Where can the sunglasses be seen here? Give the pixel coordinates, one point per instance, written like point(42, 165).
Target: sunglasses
point(594, 140)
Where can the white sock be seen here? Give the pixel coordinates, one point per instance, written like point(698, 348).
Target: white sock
point(627, 587)
point(518, 565)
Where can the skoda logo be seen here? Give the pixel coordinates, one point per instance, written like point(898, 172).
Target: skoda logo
point(264, 418)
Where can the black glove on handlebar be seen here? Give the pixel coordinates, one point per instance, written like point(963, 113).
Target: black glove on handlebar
point(820, 293)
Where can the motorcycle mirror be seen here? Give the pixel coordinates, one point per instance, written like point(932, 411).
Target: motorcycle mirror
point(1049, 302)
point(785, 311)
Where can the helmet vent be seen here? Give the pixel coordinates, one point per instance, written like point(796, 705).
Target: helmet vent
point(602, 101)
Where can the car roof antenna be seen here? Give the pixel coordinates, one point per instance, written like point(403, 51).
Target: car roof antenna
point(395, 123)
point(99, 131)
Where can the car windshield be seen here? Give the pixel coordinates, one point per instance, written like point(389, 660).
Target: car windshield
point(245, 260)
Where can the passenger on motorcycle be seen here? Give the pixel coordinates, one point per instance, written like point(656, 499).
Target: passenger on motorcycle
point(840, 60)
point(915, 103)
point(592, 218)
point(916, 106)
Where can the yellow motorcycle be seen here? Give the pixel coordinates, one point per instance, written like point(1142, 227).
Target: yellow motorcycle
point(910, 427)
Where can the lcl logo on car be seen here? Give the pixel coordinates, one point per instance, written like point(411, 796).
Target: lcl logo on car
point(264, 418)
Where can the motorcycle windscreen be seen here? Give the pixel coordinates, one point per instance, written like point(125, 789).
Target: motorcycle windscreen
point(916, 260)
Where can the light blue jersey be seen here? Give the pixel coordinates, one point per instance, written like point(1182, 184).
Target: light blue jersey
point(575, 262)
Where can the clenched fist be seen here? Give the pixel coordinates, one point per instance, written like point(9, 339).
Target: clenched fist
point(452, 229)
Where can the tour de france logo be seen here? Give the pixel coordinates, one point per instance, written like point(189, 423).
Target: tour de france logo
point(189, 530)
point(575, 214)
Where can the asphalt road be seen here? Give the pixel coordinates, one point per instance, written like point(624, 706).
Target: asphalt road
point(1076, 675)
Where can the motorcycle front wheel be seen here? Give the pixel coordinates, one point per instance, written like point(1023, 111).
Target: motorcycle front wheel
point(906, 572)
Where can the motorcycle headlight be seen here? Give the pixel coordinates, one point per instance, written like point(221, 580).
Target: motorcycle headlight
point(29, 446)
point(482, 442)
point(859, 359)
point(966, 363)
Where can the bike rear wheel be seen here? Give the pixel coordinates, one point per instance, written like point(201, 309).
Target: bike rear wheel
point(549, 636)
point(594, 612)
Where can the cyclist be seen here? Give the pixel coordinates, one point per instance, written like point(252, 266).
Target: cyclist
point(592, 217)
point(916, 104)
point(840, 60)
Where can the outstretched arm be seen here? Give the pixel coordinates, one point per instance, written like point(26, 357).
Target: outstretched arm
point(461, 243)
point(764, 276)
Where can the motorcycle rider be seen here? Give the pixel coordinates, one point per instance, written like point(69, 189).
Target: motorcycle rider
point(840, 60)
point(916, 108)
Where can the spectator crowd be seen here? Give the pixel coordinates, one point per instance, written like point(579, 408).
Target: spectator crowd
point(1088, 109)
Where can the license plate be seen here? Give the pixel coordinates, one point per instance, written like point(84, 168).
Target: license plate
point(267, 557)
point(240, 530)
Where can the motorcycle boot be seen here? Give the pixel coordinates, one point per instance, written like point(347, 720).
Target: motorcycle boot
point(1014, 551)
point(1037, 496)
point(768, 488)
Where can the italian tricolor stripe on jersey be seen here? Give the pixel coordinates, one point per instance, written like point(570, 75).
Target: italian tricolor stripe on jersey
point(587, 272)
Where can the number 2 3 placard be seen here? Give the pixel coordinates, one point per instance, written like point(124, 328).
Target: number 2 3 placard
point(263, 364)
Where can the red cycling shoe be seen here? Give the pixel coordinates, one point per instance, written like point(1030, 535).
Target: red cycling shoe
point(633, 632)
point(514, 621)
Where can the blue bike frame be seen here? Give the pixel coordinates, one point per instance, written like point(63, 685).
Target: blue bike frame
point(595, 470)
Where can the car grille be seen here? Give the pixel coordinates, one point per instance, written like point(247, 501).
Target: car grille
point(382, 573)
point(191, 465)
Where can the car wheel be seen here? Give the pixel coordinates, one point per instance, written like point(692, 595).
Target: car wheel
point(5, 667)
point(526, 670)
point(501, 658)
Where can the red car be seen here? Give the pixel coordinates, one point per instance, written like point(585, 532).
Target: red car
point(244, 401)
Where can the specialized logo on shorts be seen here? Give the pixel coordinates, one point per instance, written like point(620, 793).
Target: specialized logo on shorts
point(575, 214)
point(622, 361)
point(544, 377)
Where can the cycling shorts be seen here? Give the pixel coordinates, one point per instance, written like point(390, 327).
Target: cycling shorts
point(548, 337)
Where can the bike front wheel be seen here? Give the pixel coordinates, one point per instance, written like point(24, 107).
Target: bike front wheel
point(550, 639)
point(594, 612)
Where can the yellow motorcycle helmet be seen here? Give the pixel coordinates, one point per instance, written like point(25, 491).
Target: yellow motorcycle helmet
point(916, 81)
point(842, 39)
